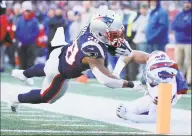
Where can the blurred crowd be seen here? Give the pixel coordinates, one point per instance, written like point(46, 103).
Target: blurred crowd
point(27, 27)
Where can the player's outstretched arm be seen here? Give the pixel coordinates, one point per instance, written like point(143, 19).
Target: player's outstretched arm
point(136, 56)
point(104, 76)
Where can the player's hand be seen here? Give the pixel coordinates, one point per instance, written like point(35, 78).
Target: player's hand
point(124, 49)
point(138, 86)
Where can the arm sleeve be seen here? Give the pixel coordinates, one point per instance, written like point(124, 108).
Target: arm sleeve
point(36, 29)
point(17, 32)
point(46, 28)
point(180, 24)
point(174, 25)
point(119, 67)
point(163, 22)
point(107, 81)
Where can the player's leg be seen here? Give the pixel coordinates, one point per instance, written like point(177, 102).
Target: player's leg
point(53, 88)
point(54, 85)
point(139, 106)
point(139, 110)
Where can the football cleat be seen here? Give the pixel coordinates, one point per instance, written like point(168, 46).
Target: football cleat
point(121, 111)
point(13, 102)
point(19, 75)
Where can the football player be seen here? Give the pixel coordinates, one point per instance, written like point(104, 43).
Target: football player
point(69, 61)
point(159, 69)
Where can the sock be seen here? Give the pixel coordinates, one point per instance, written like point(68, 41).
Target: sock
point(35, 71)
point(33, 97)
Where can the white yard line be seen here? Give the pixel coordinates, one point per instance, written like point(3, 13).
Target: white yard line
point(20, 115)
point(72, 132)
point(73, 125)
point(187, 96)
point(51, 120)
point(9, 111)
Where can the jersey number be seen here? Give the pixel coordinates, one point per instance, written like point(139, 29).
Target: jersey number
point(71, 53)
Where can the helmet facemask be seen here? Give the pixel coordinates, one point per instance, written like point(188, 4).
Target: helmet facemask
point(115, 38)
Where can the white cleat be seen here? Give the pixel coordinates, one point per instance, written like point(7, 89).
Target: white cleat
point(19, 75)
point(121, 111)
point(13, 102)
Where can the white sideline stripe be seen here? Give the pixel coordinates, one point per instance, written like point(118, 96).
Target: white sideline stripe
point(50, 120)
point(20, 109)
point(74, 132)
point(5, 111)
point(187, 96)
point(73, 125)
point(19, 115)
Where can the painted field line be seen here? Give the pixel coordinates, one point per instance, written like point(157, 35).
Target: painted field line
point(187, 96)
point(21, 109)
point(73, 125)
point(51, 120)
point(3, 104)
point(7, 111)
point(20, 115)
point(73, 132)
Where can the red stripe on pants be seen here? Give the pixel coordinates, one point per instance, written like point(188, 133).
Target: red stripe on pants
point(48, 89)
point(57, 91)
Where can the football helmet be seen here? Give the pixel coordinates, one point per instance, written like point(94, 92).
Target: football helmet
point(107, 27)
point(160, 68)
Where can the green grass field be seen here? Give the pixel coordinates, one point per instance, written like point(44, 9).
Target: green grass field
point(46, 122)
point(31, 121)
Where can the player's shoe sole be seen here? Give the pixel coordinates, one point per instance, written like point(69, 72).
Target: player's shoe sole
point(121, 111)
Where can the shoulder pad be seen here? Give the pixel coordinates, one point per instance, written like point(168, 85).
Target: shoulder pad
point(93, 50)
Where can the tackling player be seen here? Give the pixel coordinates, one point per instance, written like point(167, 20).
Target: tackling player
point(66, 62)
point(159, 68)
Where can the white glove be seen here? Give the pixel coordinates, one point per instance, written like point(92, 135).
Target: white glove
point(138, 86)
point(124, 49)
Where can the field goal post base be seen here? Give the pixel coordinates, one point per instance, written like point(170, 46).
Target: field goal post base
point(164, 108)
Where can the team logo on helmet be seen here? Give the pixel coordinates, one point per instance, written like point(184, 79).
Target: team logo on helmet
point(106, 20)
point(165, 75)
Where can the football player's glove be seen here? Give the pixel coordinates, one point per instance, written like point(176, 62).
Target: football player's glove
point(124, 49)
